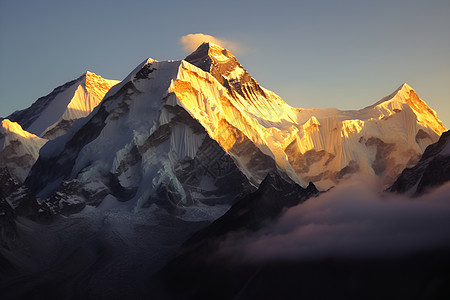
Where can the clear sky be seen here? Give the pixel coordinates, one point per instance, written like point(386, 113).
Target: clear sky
point(344, 54)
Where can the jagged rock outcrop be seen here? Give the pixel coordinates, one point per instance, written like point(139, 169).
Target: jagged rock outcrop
point(200, 254)
point(431, 171)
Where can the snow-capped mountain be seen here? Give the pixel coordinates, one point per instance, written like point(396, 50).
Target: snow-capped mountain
point(160, 132)
point(19, 149)
point(139, 145)
point(52, 115)
point(174, 147)
point(24, 132)
point(432, 170)
point(319, 145)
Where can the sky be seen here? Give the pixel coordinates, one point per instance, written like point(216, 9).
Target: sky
point(345, 54)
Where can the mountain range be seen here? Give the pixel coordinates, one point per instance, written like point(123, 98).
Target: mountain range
point(177, 146)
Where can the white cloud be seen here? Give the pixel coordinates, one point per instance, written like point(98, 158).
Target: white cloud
point(192, 41)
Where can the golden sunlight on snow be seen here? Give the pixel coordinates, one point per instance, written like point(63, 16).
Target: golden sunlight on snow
point(17, 129)
point(97, 85)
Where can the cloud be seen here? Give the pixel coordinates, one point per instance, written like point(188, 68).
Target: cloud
point(351, 221)
point(192, 41)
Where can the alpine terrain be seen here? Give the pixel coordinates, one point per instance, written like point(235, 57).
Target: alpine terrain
point(432, 170)
point(158, 121)
point(24, 132)
point(114, 190)
point(51, 116)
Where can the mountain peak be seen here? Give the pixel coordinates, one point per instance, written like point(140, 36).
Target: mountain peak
point(68, 102)
point(210, 45)
point(212, 49)
point(208, 54)
point(426, 116)
point(97, 85)
point(404, 88)
point(14, 127)
point(19, 149)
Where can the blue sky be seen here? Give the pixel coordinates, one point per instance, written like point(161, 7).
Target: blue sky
point(344, 54)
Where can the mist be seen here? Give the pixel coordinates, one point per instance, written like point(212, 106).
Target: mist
point(190, 42)
point(353, 220)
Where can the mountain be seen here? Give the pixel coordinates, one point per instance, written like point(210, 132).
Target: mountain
point(8, 229)
point(159, 123)
point(197, 145)
point(432, 170)
point(19, 149)
point(253, 211)
point(319, 145)
point(138, 146)
point(199, 254)
point(218, 263)
point(24, 132)
point(51, 116)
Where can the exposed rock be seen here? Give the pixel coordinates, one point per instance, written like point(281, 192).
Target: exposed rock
point(432, 170)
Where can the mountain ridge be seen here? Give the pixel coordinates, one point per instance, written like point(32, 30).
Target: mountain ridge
point(66, 103)
point(279, 125)
point(256, 128)
point(19, 149)
point(432, 170)
point(25, 131)
point(179, 145)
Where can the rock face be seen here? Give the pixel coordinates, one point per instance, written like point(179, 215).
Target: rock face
point(15, 200)
point(275, 194)
point(8, 228)
point(431, 171)
point(19, 197)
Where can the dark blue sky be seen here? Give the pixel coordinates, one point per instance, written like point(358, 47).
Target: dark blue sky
point(344, 54)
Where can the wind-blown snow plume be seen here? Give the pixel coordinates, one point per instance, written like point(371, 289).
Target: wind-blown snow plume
point(192, 41)
point(352, 220)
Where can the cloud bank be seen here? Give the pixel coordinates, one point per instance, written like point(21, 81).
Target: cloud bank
point(191, 42)
point(351, 221)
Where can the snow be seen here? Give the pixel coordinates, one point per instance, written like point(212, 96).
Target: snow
point(52, 113)
point(272, 125)
point(68, 103)
point(324, 141)
point(19, 148)
point(236, 74)
point(74, 102)
point(109, 202)
point(184, 142)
